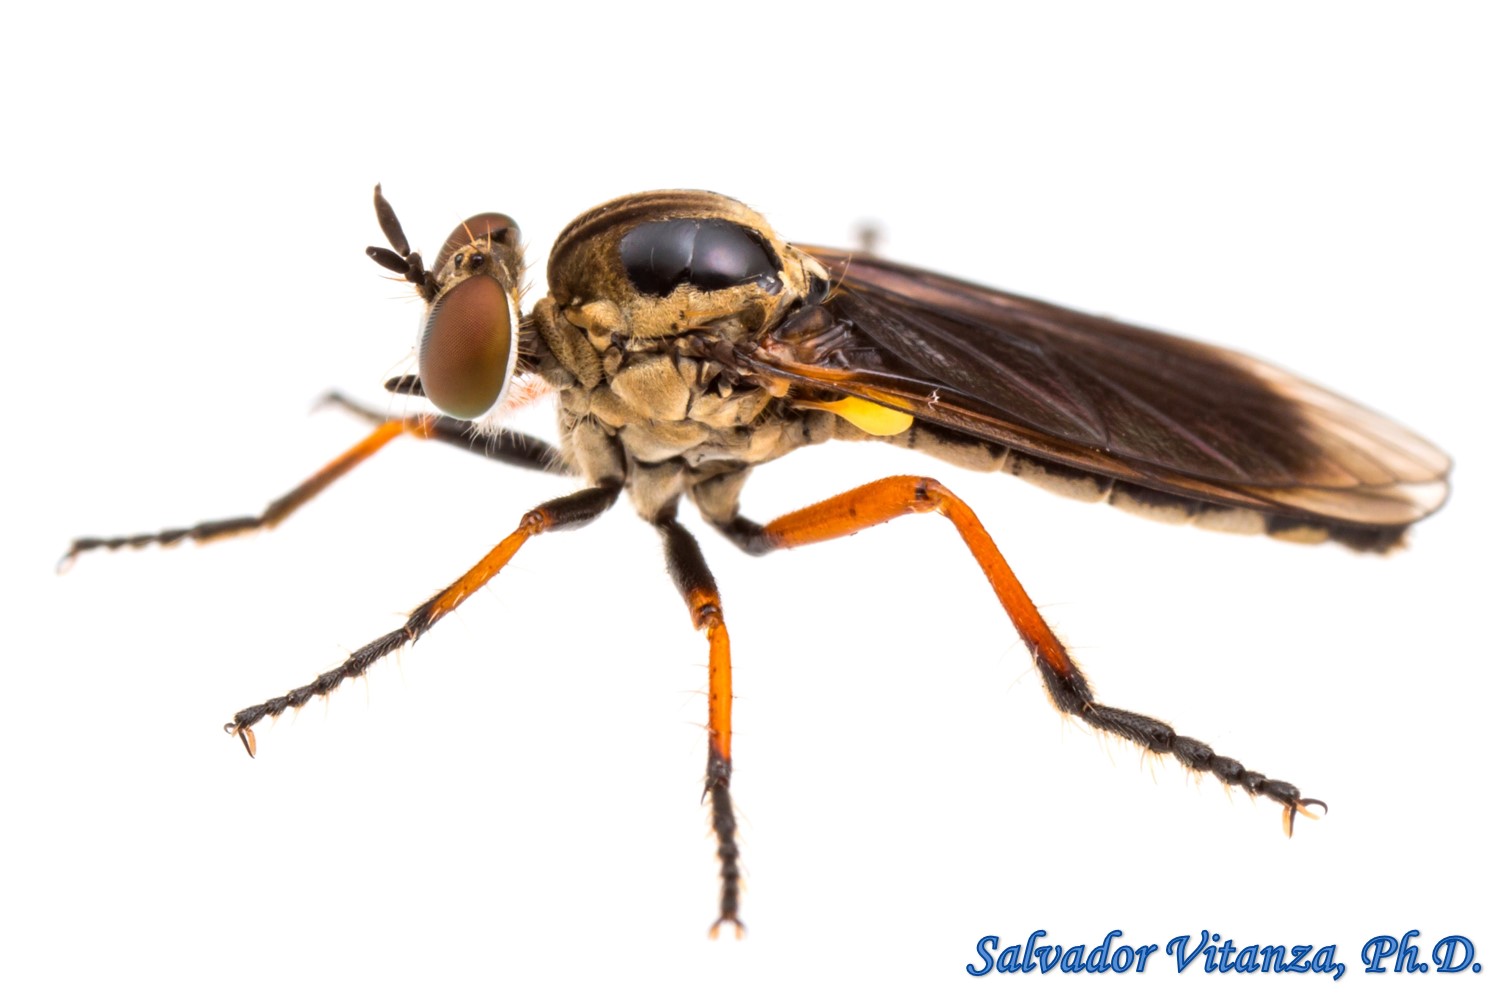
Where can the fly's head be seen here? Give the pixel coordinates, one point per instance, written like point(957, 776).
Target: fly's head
point(671, 263)
point(471, 331)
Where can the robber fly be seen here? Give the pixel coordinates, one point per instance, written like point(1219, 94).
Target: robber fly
point(687, 343)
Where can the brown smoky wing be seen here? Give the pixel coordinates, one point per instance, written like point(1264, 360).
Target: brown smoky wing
point(1108, 398)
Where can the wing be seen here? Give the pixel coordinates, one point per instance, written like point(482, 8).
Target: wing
point(1110, 400)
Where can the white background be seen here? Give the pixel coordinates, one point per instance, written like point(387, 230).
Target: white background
point(512, 805)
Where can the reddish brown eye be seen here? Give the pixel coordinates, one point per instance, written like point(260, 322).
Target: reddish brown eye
point(495, 227)
point(468, 348)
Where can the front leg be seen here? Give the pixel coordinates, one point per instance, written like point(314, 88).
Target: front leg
point(571, 511)
point(886, 499)
point(513, 449)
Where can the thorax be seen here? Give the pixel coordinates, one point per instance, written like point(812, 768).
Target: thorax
point(663, 414)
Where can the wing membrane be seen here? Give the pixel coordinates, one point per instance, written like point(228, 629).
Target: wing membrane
point(1109, 398)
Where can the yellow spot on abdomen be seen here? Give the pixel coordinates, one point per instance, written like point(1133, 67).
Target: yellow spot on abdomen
point(872, 418)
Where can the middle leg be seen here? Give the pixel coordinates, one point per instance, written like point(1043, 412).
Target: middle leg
point(696, 584)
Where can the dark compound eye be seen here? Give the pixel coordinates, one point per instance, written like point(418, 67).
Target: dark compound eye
point(495, 226)
point(708, 254)
point(467, 348)
point(817, 288)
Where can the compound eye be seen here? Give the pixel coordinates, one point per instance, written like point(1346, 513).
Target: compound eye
point(468, 348)
point(708, 254)
point(494, 227)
